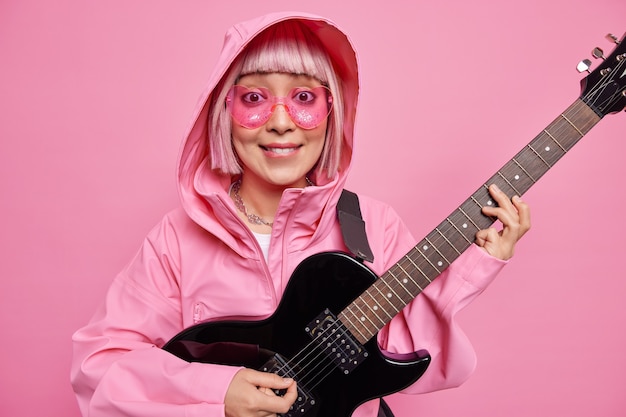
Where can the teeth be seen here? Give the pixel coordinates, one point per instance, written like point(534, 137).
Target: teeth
point(281, 151)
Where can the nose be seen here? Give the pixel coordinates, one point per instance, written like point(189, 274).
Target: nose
point(280, 120)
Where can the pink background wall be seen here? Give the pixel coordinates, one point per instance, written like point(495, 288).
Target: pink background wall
point(95, 97)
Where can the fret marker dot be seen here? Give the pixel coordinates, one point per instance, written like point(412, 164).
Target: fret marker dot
point(375, 308)
point(425, 247)
point(517, 177)
point(405, 281)
point(389, 295)
point(464, 226)
point(489, 203)
point(547, 149)
point(362, 318)
point(440, 263)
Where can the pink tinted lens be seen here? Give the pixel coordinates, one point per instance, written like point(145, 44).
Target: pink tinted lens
point(252, 107)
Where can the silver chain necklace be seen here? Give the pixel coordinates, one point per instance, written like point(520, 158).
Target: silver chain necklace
point(252, 218)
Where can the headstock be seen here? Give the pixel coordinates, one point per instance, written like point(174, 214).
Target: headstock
point(604, 89)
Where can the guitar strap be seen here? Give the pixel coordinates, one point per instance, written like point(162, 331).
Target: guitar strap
point(355, 238)
point(353, 226)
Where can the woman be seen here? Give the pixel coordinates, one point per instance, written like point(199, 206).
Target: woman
point(260, 174)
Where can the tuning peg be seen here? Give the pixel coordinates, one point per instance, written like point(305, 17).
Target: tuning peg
point(612, 38)
point(583, 65)
point(597, 53)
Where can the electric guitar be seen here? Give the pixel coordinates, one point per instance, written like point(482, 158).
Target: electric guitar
point(323, 333)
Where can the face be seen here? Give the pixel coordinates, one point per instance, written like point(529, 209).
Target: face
point(279, 152)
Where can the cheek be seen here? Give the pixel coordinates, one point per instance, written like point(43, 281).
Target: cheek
point(241, 137)
point(317, 137)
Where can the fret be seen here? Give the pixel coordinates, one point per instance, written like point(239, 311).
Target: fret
point(525, 172)
point(383, 294)
point(390, 295)
point(532, 162)
point(573, 125)
point(407, 278)
point(400, 284)
point(426, 247)
point(469, 218)
point(427, 272)
point(458, 230)
point(509, 183)
point(448, 232)
point(355, 325)
point(380, 303)
point(466, 228)
point(476, 201)
point(440, 263)
point(539, 156)
point(424, 277)
point(443, 235)
point(390, 309)
point(372, 305)
point(444, 250)
point(363, 317)
point(549, 153)
point(374, 309)
point(520, 180)
point(379, 307)
point(420, 271)
point(554, 140)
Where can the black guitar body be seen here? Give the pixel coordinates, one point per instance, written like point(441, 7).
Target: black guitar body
point(287, 343)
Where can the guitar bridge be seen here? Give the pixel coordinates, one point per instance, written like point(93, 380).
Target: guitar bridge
point(336, 341)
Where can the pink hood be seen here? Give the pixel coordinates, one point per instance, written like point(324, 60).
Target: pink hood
point(199, 185)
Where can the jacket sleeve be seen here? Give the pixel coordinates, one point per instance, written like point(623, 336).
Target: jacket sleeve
point(118, 367)
point(428, 322)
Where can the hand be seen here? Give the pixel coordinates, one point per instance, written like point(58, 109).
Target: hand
point(514, 215)
point(251, 394)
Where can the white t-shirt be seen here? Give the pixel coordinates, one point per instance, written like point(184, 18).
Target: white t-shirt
point(264, 242)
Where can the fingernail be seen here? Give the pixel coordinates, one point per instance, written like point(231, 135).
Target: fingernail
point(287, 380)
point(495, 187)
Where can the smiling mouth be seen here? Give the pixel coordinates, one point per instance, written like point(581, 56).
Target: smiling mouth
point(280, 151)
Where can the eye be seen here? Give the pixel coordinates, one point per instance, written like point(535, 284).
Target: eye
point(304, 97)
point(252, 98)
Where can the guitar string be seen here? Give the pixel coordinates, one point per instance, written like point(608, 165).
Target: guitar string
point(300, 366)
point(620, 63)
point(310, 348)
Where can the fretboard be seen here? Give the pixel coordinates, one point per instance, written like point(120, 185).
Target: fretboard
point(405, 280)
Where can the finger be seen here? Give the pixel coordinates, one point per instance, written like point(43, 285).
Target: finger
point(506, 211)
point(501, 198)
point(279, 403)
point(523, 211)
point(484, 236)
point(269, 380)
point(515, 228)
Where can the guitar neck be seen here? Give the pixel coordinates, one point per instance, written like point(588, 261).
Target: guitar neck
point(405, 280)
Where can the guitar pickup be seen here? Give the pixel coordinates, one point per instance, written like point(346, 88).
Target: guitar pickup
point(336, 341)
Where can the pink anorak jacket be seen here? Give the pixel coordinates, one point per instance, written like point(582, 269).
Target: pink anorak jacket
point(203, 263)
